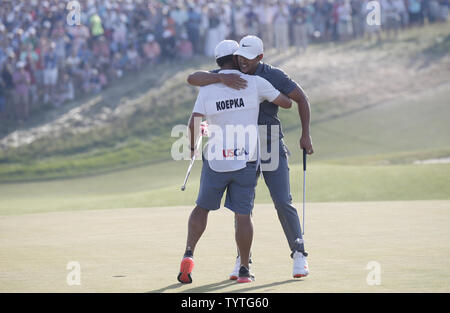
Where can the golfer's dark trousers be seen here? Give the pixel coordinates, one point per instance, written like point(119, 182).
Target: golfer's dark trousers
point(279, 186)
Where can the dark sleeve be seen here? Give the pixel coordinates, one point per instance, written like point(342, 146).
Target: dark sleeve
point(215, 71)
point(281, 81)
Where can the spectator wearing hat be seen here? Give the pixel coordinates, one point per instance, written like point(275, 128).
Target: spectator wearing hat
point(239, 20)
point(299, 27)
point(168, 44)
point(213, 31)
point(66, 91)
point(134, 60)
point(101, 50)
point(391, 15)
point(22, 81)
point(8, 82)
point(33, 89)
point(180, 16)
point(415, 12)
point(72, 61)
point(344, 11)
point(2, 100)
point(193, 24)
point(281, 19)
point(251, 21)
point(320, 17)
point(357, 18)
point(95, 83)
point(50, 72)
point(266, 12)
point(151, 49)
point(184, 48)
point(30, 57)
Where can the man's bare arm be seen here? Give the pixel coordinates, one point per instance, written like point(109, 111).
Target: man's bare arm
point(283, 101)
point(299, 96)
point(203, 78)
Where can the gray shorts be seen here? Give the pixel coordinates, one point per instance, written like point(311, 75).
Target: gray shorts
point(240, 186)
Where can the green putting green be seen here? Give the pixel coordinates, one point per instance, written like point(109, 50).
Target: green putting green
point(139, 250)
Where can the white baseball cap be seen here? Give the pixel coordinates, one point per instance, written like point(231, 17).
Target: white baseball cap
point(225, 47)
point(250, 47)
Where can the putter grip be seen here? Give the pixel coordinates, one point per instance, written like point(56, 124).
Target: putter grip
point(304, 159)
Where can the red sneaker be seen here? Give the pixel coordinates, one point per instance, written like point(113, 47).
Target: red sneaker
point(187, 265)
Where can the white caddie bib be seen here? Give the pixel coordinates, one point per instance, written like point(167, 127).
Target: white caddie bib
point(232, 116)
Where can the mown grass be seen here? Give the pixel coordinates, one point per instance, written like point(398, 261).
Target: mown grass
point(159, 185)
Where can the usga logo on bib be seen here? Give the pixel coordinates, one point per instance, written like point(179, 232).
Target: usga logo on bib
point(229, 153)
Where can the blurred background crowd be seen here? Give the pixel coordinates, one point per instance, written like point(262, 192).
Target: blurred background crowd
point(47, 60)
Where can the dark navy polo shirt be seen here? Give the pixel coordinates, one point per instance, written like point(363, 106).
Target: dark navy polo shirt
point(268, 111)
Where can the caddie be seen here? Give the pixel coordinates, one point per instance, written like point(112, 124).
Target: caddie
point(230, 158)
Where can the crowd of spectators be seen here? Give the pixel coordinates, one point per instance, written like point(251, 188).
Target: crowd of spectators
point(51, 52)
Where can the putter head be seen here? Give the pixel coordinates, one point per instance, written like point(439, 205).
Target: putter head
point(183, 188)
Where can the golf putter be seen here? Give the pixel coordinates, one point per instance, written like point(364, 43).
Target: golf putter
point(197, 146)
point(304, 189)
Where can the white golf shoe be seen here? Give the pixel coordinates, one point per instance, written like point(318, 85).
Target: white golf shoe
point(300, 265)
point(234, 275)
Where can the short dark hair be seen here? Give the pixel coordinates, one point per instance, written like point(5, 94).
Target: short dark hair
point(224, 60)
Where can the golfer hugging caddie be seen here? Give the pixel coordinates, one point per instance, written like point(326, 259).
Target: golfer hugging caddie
point(250, 55)
point(231, 156)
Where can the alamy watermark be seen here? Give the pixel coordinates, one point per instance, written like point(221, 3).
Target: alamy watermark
point(74, 16)
point(374, 276)
point(374, 13)
point(231, 142)
point(73, 278)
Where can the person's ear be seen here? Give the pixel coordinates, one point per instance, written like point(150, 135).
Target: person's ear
point(260, 57)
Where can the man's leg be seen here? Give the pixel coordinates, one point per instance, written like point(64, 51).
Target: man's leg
point(235, 273)
point(212, 186)
point(244, 237)
point(279, 186)
point(240, 199)
point(196, 226)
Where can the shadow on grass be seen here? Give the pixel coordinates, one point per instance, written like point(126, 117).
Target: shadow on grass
point(253, 287)
point(204, 288)
point(216, 287)
point(170, 287)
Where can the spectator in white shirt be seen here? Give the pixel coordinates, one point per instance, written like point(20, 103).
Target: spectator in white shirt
point(266, 12)
point(281, 20)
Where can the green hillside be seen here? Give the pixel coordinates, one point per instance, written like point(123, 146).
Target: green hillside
point(129, 124)
point(364, 156)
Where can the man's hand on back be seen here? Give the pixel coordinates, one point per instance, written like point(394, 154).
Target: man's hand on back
point(233, 81)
